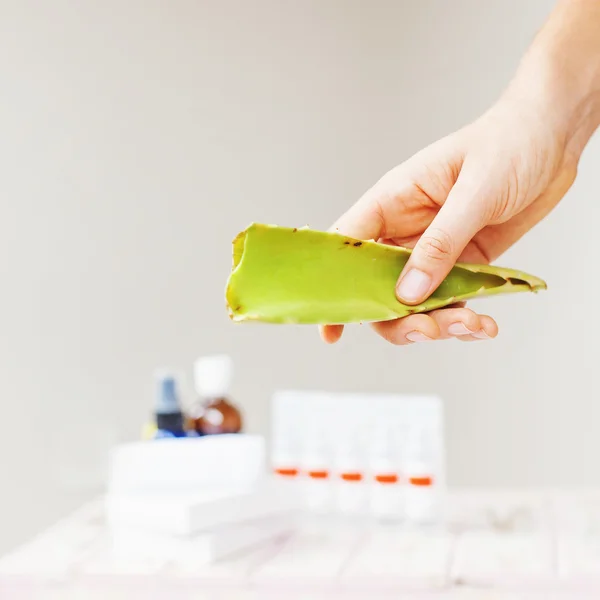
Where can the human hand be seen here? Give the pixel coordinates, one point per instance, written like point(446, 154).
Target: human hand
point(469, 197)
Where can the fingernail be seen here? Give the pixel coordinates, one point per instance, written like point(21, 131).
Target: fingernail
point(481, 335)
point(459, 329)
point(417, 336)
point(414, 285)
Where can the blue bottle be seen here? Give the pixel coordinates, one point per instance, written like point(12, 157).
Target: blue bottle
point(170, 421)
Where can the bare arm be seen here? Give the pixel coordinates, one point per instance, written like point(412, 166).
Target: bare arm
point(473, 194)
point(561, 68)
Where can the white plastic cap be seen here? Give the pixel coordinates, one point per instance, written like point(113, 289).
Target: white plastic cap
point(212, 375)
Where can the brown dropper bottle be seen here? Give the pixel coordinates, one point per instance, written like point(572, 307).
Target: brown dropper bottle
point(214, 412)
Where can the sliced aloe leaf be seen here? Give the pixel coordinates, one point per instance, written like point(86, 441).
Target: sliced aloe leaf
point(303, 276)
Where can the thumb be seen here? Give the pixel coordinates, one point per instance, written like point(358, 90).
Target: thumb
point(460, 218)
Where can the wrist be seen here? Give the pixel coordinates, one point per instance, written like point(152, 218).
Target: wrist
point(559, 76)
point(567, 98)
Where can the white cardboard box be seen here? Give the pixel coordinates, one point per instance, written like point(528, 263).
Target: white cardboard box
point(187, 465)
point(201, 549)
point(188, 514)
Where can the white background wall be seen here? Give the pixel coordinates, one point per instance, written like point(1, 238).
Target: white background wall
point(137, 138)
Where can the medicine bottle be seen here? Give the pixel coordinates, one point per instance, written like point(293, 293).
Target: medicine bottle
point(214, 412)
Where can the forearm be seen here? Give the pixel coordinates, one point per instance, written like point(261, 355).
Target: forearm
point(561, 70)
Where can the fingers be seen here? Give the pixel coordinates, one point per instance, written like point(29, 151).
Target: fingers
point(415, 328)
point(463, 214)
point(395, 206)
point(465, 324)
point(330, 334)
point(364, 220)
point(453, 321)
point(447, 323)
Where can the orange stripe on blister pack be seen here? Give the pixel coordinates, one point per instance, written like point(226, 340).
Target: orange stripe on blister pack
point(287, 472)
point(421, 481)
point(351, 476)
point(318, 474)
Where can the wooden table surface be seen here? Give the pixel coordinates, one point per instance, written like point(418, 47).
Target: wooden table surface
point(494, 546)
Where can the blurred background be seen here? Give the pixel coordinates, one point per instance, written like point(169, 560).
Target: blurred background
point(137, 139)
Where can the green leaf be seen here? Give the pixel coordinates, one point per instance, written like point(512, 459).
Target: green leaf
point(303, 276)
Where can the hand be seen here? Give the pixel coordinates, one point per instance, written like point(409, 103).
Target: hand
point(467, 197)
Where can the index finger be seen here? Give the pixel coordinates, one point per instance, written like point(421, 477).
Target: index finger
point(364, 220)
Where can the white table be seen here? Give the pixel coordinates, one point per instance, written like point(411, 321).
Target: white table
point(495, 546)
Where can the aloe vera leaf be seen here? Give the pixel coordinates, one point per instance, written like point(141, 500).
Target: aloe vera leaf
point(304, 276)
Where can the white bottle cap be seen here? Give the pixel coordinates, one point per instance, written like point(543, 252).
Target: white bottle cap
point(212, 375)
